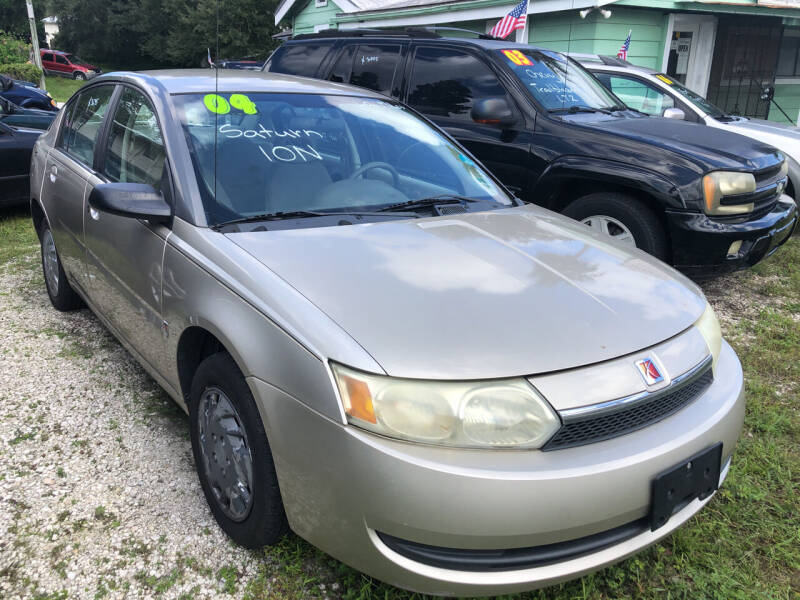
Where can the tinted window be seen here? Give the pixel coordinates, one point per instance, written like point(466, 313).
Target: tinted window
point(61, 60)
point(48, 57)
point(135, 147)
point(638, 94)
point(374, 67)
point(445, 82)
point(82, 123)
point(298, 59)
point(343, 66)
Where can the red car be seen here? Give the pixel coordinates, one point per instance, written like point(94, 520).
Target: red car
point(56, 62)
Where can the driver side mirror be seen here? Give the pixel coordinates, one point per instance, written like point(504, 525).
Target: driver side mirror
point(674, 113)
point(493, 111)
point(135, 200)
point(6, 83)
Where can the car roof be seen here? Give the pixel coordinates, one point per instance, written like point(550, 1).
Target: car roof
point(55, 51)
point(609, 63)
point(183, 81)
point(423, 35)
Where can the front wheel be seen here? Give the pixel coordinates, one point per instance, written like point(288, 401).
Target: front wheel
point(78, 75)
point(232, 455)
point(62, 296)
point(624, 218)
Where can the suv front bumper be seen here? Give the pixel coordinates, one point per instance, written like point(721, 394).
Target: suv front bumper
point(349, 492)
point(701, 245)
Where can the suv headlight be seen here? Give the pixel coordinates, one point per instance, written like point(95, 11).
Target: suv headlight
point(708, 324)
point(506, 413)
point(722, 184)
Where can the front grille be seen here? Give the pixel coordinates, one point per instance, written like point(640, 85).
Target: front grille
point(590, 428)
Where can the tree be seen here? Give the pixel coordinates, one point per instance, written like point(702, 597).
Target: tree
point(14, 19)
point(136, 34)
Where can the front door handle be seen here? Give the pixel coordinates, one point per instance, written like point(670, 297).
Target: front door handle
point(53, 173)
point(95, 214)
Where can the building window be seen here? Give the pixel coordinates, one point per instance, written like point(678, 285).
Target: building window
point(320, 3)
point(788, 63)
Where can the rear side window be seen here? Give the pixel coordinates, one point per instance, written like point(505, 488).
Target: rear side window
point(135, 151)
point(47, 57)
point(374, 67)
point(298, 59)
point(83, 121)
point(446, 83)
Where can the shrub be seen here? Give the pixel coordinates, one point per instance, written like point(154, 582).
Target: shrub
point(23, 71)
point(13, 49)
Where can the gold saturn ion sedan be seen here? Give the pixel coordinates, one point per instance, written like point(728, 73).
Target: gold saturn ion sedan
point(376, 344)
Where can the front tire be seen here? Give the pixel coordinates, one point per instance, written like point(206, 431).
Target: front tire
point(232, 455)
point(61, 294)
point(79, 76)
point(624, 218)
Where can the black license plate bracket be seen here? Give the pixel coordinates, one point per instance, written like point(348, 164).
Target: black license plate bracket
point(695, 477)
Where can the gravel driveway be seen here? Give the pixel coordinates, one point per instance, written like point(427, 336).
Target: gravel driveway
point(97, 484)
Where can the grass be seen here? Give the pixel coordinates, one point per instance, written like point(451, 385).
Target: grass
point(745, 544)
point(61, 88)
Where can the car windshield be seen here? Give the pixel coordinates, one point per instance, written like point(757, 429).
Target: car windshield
point(696, 99)
point(76, 60)
point(557, 83)
point(285, 153)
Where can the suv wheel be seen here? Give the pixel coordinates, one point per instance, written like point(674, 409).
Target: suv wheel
point(622, 217)
point(232, 455)
point(62, 296)
point(79, 75)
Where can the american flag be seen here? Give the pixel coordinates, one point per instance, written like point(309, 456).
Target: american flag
point(513, 20)
point(623, 52)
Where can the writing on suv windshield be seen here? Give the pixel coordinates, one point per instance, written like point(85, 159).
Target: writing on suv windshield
point(265, 156)
point(557, 83)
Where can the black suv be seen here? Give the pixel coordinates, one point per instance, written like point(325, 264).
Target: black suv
point(707, 201)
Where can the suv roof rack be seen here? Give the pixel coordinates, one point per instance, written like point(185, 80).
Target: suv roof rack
point(416, 32)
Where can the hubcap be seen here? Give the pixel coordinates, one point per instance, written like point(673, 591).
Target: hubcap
point(611, 226)
point(50, 261)
point(225, 450)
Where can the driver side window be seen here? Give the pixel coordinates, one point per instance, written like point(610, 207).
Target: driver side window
point(640, 95)
point(135, 150)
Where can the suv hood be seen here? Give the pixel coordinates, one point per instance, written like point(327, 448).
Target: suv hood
point(503, 293)
point(714, 148)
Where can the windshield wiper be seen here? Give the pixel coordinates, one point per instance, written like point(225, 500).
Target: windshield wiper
point(579, 109)
point(430, 201)
point(295, 214)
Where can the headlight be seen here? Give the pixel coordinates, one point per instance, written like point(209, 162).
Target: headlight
point(721, 184)
point(489, 414)
point(784, 168)
point(710, 330)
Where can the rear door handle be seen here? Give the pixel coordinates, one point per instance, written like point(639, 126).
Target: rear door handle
point(53, 173)
point(95, 214)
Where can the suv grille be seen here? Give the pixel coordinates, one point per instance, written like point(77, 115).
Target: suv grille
point(766, 195)
point(651, 408)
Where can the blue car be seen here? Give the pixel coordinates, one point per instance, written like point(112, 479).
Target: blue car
point(25, 94)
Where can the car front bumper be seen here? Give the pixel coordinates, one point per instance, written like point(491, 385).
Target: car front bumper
point(701, 245)
point(343, 488)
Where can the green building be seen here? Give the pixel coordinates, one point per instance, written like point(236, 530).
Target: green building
point(726, 50)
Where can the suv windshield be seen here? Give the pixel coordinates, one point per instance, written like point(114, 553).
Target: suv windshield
point(696, 99)
point(286, 153)
point(556, 82)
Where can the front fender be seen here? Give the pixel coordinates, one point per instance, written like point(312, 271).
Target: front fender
point(570, 168)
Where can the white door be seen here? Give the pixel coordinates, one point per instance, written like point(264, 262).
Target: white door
point(689, 50)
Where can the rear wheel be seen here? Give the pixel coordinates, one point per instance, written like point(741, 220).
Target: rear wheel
point(232, 455)
point(622, 217)
point(62, 296)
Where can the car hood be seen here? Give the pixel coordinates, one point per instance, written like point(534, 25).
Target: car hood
point(783, 136)
point(714, 148)
point(503, 293)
